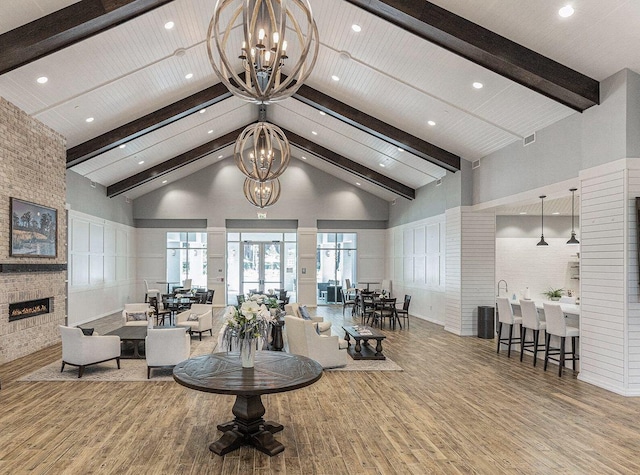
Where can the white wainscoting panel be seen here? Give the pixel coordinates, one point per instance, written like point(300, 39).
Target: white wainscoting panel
point(100, 256)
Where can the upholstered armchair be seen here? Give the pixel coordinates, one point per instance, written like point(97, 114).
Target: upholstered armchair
point(166, 347)
point(302, 339)
point(324, 328)
point(199, 318)
point(132, 314)
point(81, 350)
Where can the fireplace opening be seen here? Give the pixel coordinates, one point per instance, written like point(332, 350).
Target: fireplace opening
point(31, 308)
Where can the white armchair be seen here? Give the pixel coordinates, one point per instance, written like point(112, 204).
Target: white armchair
point(302, 339)
point(324, 328)
point(136, 308)
point(166, 347)
point(80, 350)
point(201, 321)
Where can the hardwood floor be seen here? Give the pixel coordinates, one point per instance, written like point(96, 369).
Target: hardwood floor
point(457, 408)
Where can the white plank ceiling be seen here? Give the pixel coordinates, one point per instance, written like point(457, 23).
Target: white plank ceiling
point(386, 72)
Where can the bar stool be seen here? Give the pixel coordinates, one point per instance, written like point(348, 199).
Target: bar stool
point(531, 321)
point(505, 317)
point(557, 326)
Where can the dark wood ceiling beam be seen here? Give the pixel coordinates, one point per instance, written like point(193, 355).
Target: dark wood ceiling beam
point(351, 166)
point(150, 122)
point(173, 164)
point(65, 27)
point(378, 128)
point(489, 50)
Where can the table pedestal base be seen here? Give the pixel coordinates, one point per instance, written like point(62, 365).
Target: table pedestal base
point(248, 428)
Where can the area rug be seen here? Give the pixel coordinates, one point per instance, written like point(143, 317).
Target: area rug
point(130, 370)
point(368, 365)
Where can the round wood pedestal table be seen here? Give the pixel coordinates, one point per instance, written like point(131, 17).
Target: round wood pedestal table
point(222, 373)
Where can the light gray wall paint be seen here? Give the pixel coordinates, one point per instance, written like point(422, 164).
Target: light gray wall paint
point(433, 200)
point(581, 141)
point(94, 201)
point(215, 193)
point(529, 227)
point(633, 115)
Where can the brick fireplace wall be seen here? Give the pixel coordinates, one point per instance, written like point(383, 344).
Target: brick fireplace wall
point(32, 168)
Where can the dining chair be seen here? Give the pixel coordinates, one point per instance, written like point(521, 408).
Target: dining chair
point(386, 309)
point(148, 291)
point(160, 313)
point(347, 302)
point(404, 311)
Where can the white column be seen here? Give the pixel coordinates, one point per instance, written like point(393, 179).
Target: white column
point(610, 308)
point(307, 286)
point(470, 267)
point(216, 264)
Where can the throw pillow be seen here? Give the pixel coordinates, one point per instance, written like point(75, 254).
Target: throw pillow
point(136, 316)
point(193, 317)
point(87, 331)
point(304, 313)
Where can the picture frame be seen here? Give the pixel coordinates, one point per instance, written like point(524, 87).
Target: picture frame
point(33, 230)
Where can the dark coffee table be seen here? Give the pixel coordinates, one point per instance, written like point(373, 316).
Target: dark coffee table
point(133, 334)
point(222, 373)
point(362, 350)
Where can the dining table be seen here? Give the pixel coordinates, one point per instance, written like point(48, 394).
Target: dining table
point(167, 283)
point(368, 283)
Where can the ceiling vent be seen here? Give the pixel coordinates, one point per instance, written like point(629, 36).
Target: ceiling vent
point(529, 139)
point(393, 202)
point(475, 164)
point(439, 182)
point(93, 184)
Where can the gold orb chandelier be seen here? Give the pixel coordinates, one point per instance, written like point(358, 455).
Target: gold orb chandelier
point(261, 194)
point(260, 38)
point(262, 152)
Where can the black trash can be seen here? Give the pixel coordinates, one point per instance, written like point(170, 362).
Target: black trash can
point(486, 324)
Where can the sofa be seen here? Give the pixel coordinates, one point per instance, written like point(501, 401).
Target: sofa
point(324, 328)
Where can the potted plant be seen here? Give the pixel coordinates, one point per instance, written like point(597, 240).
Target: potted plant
point(244, 327)
point(553, 294)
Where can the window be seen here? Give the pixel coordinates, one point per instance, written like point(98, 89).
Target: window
point(336, 262)
point(187, 258)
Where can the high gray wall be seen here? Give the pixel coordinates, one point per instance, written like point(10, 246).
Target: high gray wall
point(600, 135)
point(94, 201)
point(215, 193)
point(433, 200)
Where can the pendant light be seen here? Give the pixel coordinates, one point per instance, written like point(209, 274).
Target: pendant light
point(573, 239)
point(542, 241)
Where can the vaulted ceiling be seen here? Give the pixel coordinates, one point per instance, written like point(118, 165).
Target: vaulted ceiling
point(413, 62)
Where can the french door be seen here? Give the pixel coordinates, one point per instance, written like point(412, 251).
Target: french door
point(261, 267)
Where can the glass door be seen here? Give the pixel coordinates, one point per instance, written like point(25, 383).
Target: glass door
point(261, 269)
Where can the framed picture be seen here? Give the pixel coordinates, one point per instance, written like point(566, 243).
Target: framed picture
point(34, 230)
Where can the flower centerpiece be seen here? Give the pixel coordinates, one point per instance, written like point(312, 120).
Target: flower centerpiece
point(245, 328)
point(269, 301)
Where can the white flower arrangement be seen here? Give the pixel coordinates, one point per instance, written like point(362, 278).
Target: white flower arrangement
point(246, 324)
point(261, 299)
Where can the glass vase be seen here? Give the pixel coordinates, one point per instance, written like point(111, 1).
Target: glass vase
point(248, 354)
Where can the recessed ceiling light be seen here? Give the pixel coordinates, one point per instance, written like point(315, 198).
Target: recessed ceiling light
point(566, 11)
point(323, 113)
point(188, 76)
point(168, 25)
point(523, 212)
point(431, 123)
point(140, 162)
point(164, 181)
point(478, 85)
point(335, 78)
point(220, 156)
point(400, 149)
point(123, 145)
point(557, 212)
point(314, 132)
point(210, 132)
point(303, 157)
point(202, 111)
point(42, 79)
point(382, 165)
point(358, 183)
point(89, 119)
point(356, 28)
